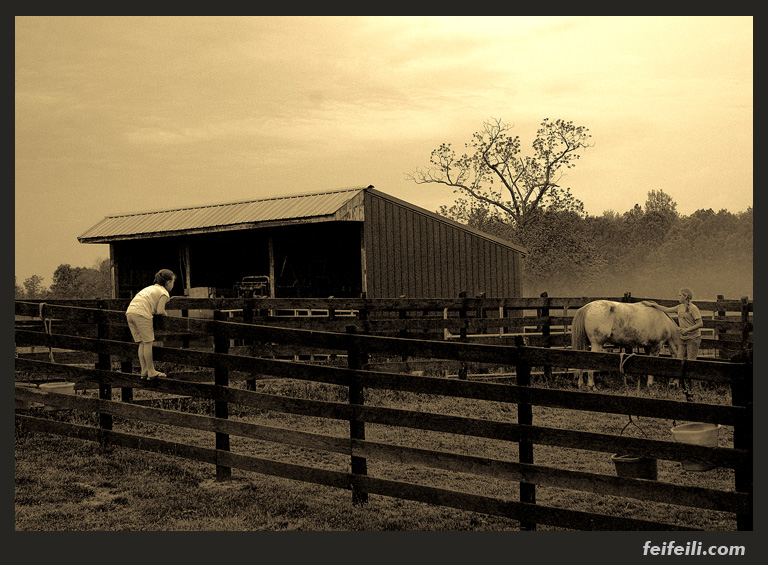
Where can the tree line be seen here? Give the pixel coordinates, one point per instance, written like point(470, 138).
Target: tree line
point(649, 251)
point(69, 282)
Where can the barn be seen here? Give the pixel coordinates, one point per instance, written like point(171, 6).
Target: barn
point(344, 243)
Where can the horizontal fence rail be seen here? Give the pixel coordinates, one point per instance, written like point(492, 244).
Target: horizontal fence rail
point(727, 323)
point(111, 343)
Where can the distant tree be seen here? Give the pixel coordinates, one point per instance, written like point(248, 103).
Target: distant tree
point(18, 292)
point(495, 159)
point(66, 281)
point(662, 203)
point(34, 289)
point(81, 282)
point(562, 255)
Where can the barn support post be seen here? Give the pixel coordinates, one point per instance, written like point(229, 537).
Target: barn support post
point(546, 330)
point(743, 438)
point(525, 445)
point(114, 291)
point(221, 378)
point(104, 363)
point(356, 359)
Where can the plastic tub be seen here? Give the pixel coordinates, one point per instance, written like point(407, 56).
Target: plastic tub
point(26, 404)
point(60, 388)
point(697, 434)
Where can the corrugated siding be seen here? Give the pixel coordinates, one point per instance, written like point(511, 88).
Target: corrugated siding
point(412, 254)
point(206, 217)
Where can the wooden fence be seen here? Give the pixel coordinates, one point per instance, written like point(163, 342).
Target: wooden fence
point(100, 331)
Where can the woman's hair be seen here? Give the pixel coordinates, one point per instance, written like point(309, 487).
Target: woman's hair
point(687, 293)
point(163, 276)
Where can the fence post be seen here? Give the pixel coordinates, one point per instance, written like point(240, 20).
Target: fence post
point(525, 418)
point(719, 314)
point(126, 392)
point(402, 314)
point(356, 359)
point(743, 437)
point(744, 323)
point(126, 366)
point(546, 331)
point(103, 363)
point(185, 339)
point(250, 383)
point(221, 378)
point(463, 369)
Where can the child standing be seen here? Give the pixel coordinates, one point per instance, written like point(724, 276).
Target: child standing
point(148, 302)
point(689, 320)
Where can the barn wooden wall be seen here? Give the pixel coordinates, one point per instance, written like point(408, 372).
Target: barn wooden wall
point(417, 255)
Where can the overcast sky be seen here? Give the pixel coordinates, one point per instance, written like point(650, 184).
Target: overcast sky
point(124, 114)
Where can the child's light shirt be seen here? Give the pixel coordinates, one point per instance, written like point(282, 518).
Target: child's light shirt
point(687, 319)
point(146, 301)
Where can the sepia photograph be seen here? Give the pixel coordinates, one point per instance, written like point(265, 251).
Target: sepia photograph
point(476, 277)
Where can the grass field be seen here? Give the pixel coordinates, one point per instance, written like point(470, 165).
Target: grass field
point(72, 485)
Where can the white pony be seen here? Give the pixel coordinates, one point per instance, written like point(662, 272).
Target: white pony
point(625, 325)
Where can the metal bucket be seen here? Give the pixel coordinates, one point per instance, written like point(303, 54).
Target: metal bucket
point(633, 467)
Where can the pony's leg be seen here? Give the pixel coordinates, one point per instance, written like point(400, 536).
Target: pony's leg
point(591, 374)
point(675, 383)
point(580, 379)
point(649, 351)
point(654, 350)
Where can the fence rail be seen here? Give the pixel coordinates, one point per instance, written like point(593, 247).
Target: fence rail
point(543, 321)
point(110, 345)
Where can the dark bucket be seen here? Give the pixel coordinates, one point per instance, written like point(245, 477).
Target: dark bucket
point(633, 467)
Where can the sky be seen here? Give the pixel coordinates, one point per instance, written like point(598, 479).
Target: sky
point(118, 114)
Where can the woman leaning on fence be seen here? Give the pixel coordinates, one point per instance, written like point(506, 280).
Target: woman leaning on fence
point(148, 302)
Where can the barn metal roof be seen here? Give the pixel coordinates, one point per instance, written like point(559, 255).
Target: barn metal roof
point(196, 219)
point(283, 210)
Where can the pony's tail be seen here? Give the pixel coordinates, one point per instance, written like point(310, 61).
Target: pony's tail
point(579, 339)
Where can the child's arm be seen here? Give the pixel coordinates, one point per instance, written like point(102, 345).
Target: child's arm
point(652, 304)
point(161, 305)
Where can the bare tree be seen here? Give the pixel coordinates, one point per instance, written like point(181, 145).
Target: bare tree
point(523, 181)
